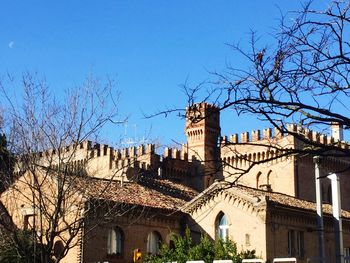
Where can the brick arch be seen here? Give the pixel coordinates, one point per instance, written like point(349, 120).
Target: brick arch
point(154, 239)
point(268, 181)
point(258, 175)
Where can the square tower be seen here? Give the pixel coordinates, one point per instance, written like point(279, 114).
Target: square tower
point(203, 132)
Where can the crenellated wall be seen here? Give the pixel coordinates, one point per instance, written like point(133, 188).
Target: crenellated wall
point(293, 175)
point(103, 161)
point(99, 160)
point(240, 158)
point(128, 162)
point(177, 166)
point(201, 159)
point(275, 134)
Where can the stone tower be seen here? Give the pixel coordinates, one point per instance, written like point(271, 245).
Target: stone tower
point(203, 132)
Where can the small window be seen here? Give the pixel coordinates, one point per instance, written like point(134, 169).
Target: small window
point(247, 239)
point(346, 255)
point(221, 226)
point(28, 217)
point(115, 241)
point(154, 241)
point(58, 248)
point(28, 222)
point(257, 180)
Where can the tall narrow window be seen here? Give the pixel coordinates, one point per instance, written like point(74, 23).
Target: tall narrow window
point(346, 255)
point(154, 241)
point(258, 180)
point(329, 194)
point(247, 239)
point(268, 178)
point(221, 226)
point(115, 241)
point(291, 243)
point(300, 244)
point(296, 243)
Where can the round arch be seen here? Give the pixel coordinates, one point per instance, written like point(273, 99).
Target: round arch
point(115, 242)
point(154, 241)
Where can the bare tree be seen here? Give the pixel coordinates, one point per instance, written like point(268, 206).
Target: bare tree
point(297, 83)
point(46, 135)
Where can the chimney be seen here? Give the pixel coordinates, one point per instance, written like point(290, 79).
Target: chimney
point(337, 131)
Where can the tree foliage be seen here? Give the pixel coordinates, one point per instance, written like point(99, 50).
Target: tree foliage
point(183, 249)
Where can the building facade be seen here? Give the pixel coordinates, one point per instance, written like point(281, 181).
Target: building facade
point(246, 188)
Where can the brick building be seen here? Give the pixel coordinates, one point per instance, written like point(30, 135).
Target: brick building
point(135, 197)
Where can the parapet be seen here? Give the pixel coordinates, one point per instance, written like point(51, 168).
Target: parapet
point(88, 150)
point(273, 134)
point(66, 150)
point(134, 152)
point(201, 105)
point(173, 153)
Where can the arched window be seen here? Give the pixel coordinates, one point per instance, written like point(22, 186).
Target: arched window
point(268, 178)
point(258, 180)
point(154, 241)
point(58, 248)
point(115, 241)
point(221, 226)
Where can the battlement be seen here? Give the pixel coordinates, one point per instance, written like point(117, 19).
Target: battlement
point(201, 106)
point(202, 113)
point(65, 149)
point(275, 134)
point(254, 136)
point(134, 152)
point(97, 153)
point(96, 150)
point(173, 153)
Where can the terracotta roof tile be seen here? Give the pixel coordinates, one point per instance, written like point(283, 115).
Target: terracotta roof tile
point(155, 193)
point(290, 201)
point(255, 196)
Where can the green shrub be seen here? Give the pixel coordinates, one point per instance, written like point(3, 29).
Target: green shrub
point(184, 249)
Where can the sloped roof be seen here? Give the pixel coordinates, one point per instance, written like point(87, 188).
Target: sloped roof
point(148, 192)
point(290, 201)
point(256, 197)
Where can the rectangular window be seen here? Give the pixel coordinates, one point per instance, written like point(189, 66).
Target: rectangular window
point(347, 255)
point(28, 218)
point(247, 239)
point(296, 243)
point(28, 222)
point(300, 244)
point(291, 248)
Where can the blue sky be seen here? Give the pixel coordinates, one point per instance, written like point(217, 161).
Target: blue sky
point(149, 47)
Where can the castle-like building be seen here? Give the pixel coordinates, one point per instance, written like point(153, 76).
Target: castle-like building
point(248, 188)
